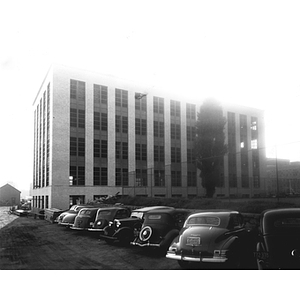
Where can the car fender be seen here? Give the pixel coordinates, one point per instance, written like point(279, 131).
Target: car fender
point(168, 238)
point(122, 231)
point(232, 242)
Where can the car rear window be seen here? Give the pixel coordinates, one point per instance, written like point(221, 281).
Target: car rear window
point(203, 220)
point(287, 222)
point(154, 217)
point(85, 212)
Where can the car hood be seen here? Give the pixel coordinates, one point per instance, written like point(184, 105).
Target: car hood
point(209, 237)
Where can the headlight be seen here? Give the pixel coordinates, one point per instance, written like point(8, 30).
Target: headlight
point(99, 223)
point(118, 223)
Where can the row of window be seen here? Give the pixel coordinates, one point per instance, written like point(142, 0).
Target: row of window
point(77, 148)
point(77, 92)
point(77, 177)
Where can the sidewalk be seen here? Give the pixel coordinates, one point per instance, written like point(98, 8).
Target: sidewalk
point(6, 218)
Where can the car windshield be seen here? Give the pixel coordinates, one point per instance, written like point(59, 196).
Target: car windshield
point(203, 220)
point(137, 214)
point(85, 212)
point(287, 223)
point(73, 207)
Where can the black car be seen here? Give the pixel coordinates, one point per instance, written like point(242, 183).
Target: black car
point(278, 245)
point(106, 215)
point(122, 230)
point(217, 239)
point(160, 227)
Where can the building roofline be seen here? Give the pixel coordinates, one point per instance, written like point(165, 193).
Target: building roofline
point(50, 67)
point(7, 184)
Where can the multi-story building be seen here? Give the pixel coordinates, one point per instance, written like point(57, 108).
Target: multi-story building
point(97, 135)
point(283, 177)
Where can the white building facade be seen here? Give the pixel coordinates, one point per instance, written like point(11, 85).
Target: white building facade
point(97, 135)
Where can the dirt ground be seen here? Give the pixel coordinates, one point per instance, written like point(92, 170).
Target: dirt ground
point(34, 244)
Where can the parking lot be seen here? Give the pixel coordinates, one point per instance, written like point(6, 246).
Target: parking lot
point(34, 244)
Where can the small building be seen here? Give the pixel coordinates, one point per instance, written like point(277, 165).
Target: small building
point(9, 195)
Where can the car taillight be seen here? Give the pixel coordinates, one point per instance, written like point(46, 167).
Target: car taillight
point(220, 253)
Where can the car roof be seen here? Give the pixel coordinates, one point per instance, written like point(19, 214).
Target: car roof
point(168, 211)
point(268, 217)
point(113, 208)
point(221, 212)
point(150, 208)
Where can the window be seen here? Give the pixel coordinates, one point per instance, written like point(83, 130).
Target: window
point(176, 178)
point(121, 98)
point(118, 150)
point(96, 121)
point(96, 148)
point(81, 146)
point(121, 177)
point(73, 146)
point(192, 179)
point(103, 176)
point(100, 94)
point(73, 117)
point(175, 108)
point(140, 126)
point(158, 105)
point(159, 178)
point(140, 101)
point(118, 123)
point(191, 111)
point(103, 121)
point(175, 154)
point(141, 177)
point(77, 175)
point(104, 148)
point(254, 144)
point(96, 176)
point(125, 150)
point(175, 131)
point(125, 124)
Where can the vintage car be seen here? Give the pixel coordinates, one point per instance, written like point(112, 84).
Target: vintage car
point(122, 230)
point(278, 244)
point(107, 214)
point(85, 218)
point(74, 209)
point(160, 227)
point(214, 239)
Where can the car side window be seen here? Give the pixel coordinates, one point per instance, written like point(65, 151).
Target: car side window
point(122, 214)
point(179, 220)
point(236, 221)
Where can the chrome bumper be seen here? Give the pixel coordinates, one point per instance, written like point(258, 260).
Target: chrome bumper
point(197, 259)
point(144, 245)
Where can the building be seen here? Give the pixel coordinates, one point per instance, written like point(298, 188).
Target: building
point(97, 135)
point(283, 177)
point(9, 196)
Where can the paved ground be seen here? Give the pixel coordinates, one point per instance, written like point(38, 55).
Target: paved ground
point(34, 244)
